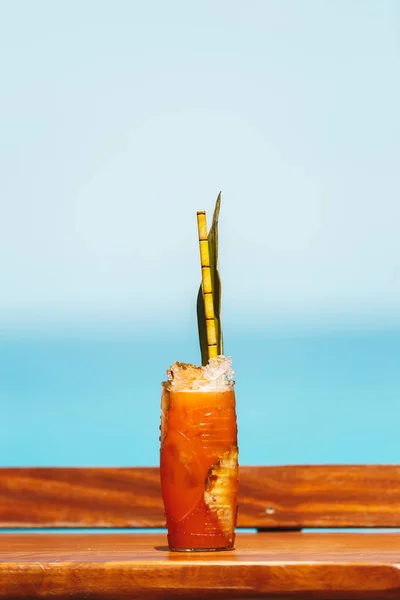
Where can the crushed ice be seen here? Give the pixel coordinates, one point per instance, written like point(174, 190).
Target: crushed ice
point(216, 375)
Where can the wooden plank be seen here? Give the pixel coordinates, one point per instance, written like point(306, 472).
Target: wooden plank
point(269, 497)
point(320, 496)
point(80, 497)
point(284, 565)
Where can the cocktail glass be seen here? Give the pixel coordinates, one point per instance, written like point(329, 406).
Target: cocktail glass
point(199, 456)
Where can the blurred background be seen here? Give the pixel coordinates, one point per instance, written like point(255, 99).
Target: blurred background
point(118, 121)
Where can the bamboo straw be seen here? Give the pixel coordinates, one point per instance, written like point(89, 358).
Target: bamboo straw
point(207, 284)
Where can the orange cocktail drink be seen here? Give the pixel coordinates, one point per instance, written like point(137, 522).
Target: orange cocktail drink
point(199, 452)
point(199, 456)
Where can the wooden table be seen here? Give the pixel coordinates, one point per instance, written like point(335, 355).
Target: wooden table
point(264, 565)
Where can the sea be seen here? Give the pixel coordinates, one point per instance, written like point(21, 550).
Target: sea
point(303, 397)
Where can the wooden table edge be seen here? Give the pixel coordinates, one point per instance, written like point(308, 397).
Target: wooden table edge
point(192, 575)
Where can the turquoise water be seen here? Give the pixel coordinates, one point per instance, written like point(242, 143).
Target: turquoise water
point(93, 399)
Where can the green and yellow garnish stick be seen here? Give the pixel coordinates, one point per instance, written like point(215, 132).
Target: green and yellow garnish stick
point(212, 345)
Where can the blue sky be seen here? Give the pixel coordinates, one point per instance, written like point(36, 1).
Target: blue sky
point(120, 119)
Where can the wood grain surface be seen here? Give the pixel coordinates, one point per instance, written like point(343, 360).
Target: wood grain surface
point(80, 497)
point(268, 565)
point(269, 497)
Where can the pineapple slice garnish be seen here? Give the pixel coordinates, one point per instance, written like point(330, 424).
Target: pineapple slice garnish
point(221, 487)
